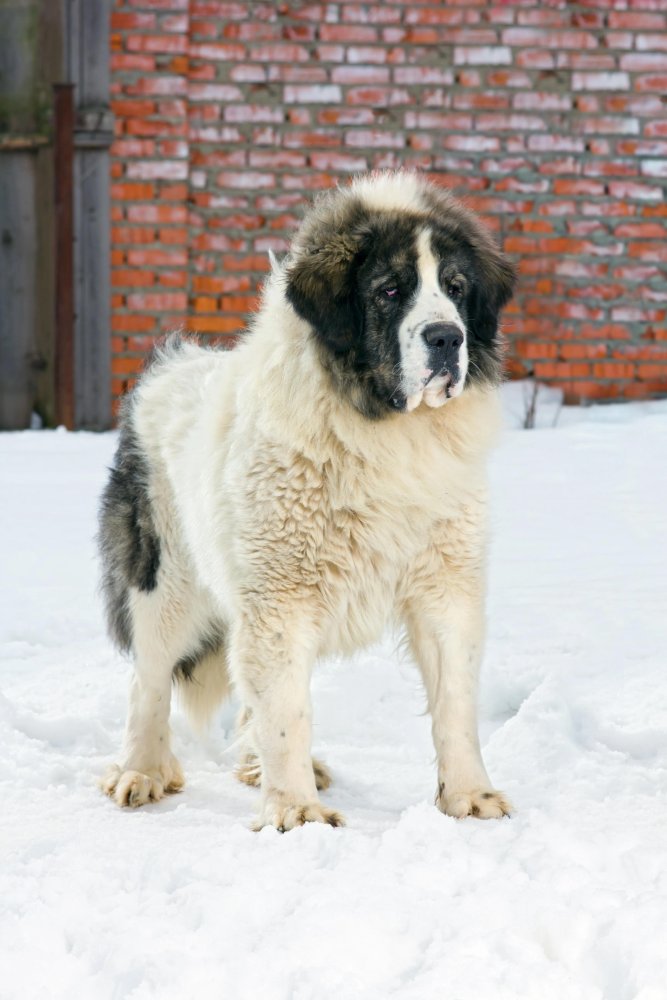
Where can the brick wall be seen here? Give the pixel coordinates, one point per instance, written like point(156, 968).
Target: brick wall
point(548, 117)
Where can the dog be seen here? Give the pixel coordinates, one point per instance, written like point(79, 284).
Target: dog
point(293, 497)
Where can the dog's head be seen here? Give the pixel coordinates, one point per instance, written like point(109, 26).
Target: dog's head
point(402, 287)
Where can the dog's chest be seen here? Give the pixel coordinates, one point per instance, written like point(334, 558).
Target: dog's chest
point(364, 554)
point(345, 533)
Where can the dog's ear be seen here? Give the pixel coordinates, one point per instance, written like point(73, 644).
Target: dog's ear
point(321, 286)
point(493, 290)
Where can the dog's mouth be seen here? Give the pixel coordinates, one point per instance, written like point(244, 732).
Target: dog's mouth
point(443, 379)
point(435, 390)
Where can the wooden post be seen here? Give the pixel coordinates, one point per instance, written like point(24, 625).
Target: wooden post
point(64, 161)
point(88, 27)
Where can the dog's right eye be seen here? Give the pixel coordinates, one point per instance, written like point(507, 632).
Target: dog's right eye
point(391, 292)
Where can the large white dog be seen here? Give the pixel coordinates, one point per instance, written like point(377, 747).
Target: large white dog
point(293, 497)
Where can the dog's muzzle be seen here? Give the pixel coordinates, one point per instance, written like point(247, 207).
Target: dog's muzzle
point(444, 341)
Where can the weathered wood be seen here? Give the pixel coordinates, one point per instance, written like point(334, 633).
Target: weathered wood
point(42, 42)
point(63, 153)
point(18, 228)
point(30, 57)
point(88, 67)
point(18, 237)
point(11, 142)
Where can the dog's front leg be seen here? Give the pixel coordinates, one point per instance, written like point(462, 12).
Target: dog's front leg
point(272, 657)
point(445, 623)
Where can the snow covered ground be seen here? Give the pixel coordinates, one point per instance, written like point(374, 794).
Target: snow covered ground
point(565, 901)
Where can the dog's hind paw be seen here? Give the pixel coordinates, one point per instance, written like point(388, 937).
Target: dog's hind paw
point(136, 788)
point(249, 771)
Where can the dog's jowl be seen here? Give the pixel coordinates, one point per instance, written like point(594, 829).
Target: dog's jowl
point(294, 497)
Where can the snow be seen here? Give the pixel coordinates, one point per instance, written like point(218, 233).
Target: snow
point(565, 901)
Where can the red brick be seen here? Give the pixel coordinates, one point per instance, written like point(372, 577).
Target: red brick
point(157, 302)
point(125, 278)
point(470, 101)
point(172, 279)
point(577, 187)
point(575, 351)
point(132, 234)
point(614, 369)
point(377, 97)
point(217, 52)
point(156, 43)
point(375, 139)
point(132, 61)
point(295, 94)
point(634, 191)
point(641, 230)
point(124, 21)
point(246, 179)
point(509, 78)
point(644, 62)
point(600, 81)
point(218, 324)
point(132, 108)
point(561, 369)
point(658, 83)
point(472, 143)
point(157, 258)
point(536, 349)
point(278, 53)
point(366, 14)
point(205, 304)
point(133, 323)
point(217, 285)
point(577, 391)
point(338, 161)
point(359, 74)
point(438, 120)
point(636, 20)
point(277, 159)
point(173, 235)
point(348, 33)
point(423, 75)
point(346, 116)
point(125, 366)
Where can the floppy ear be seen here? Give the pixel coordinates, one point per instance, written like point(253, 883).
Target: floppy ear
point(321, 288)
point(493, 289)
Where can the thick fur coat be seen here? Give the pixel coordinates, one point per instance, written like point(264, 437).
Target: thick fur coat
point(295, 496)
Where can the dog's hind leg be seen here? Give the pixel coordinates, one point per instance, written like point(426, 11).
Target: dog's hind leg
point(148, 768)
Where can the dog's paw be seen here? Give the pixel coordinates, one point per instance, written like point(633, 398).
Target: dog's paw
point(136, 788)
point(286, 816)
point(249, 771)
point(483, 803)
point(322, 775)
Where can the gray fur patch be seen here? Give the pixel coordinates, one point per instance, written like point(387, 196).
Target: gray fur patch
point(211, 642)
point(128, 542)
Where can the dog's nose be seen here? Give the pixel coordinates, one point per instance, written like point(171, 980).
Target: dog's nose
point(445, 338)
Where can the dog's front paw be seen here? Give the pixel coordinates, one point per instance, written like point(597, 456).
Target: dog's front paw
point(135, 788)
point(287, 815)
point(483, 803)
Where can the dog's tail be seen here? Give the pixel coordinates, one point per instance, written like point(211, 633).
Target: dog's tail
point(203, 684)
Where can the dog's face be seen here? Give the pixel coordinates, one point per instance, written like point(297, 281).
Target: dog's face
point(404, 301)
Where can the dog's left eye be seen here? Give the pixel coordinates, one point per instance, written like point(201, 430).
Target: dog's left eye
point(455, 290)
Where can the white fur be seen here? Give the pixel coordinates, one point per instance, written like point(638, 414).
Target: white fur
point(430, 305)
point(306, 529)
